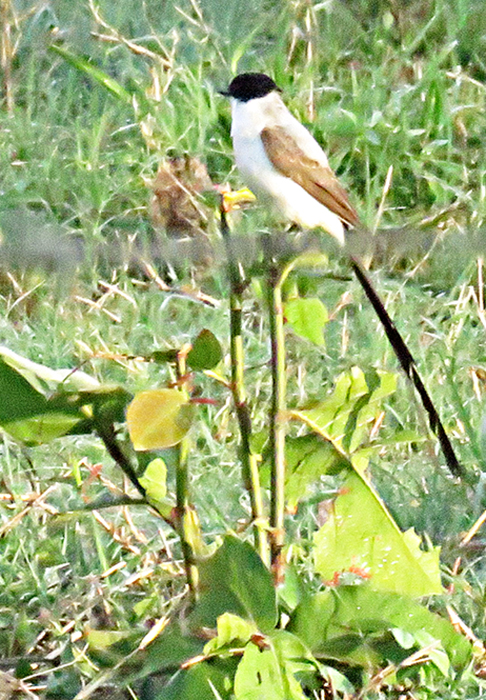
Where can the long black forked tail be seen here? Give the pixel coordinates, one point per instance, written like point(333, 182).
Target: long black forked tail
point(407, 362)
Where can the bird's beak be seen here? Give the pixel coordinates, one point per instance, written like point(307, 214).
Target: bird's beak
point(224, 92)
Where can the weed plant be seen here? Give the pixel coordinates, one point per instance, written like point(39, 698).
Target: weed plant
point(392, 89)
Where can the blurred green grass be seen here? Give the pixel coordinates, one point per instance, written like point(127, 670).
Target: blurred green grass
point(380, 84)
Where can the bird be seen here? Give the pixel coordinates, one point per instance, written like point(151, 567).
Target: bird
point(284, 165)
point(282, 162)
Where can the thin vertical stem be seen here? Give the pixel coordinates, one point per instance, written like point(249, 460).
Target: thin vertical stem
point(277, 422)
point(249, 463)
point(185, 520)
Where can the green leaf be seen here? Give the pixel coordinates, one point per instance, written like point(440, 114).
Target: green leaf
point(404, 638)
point(39, 403)
point(158, 419)
point(27, 411)
point(43, 428)
point(231, 630)
point(360, 534)
point(308, 457)
point(18, 398)
point(311, 619)
point(342, 623)
point(440, 659)
point(278, 669)
point(347, 415)
point(299, 665)
point(206, 351)
point(102, 639)
point(84, 65)
point(308, 318)
point(435, 651)
point(291, 590)
point(154, 481)
point(260, 676)
point(235, 580)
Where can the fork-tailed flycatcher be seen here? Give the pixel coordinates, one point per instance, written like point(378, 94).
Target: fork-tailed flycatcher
point(282, 162)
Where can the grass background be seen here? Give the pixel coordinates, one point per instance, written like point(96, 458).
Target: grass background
point(380, 84)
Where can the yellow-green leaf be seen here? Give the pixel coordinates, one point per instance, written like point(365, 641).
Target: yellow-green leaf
point(154, 480)
point(361, 536)
point(346, 416)
point(158, 419)
point(102, 639)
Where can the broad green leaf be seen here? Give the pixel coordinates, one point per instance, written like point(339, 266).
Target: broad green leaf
point(235, 580)
point(43, 428)
point(158, 419)
point(339, 622)
point(360, 534)
point(307, 317)
point(434, 650)
point(38, 404)
point(363, 609)
point(154, 481)
point(261, 676)
point(311, 619)
point(346, 416)
point(440, 659)
point(300, 668)
point(291, 590)
point(206, 351)
point(27, 413)
point(404, 638)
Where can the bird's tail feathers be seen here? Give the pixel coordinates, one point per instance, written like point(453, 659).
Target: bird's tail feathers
point(409, 366)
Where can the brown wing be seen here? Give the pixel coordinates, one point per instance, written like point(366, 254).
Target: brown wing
point(318, 180)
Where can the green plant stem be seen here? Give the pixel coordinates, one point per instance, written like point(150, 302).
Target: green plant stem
point(277, 421)
point(249, 462)
point(184, 519)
